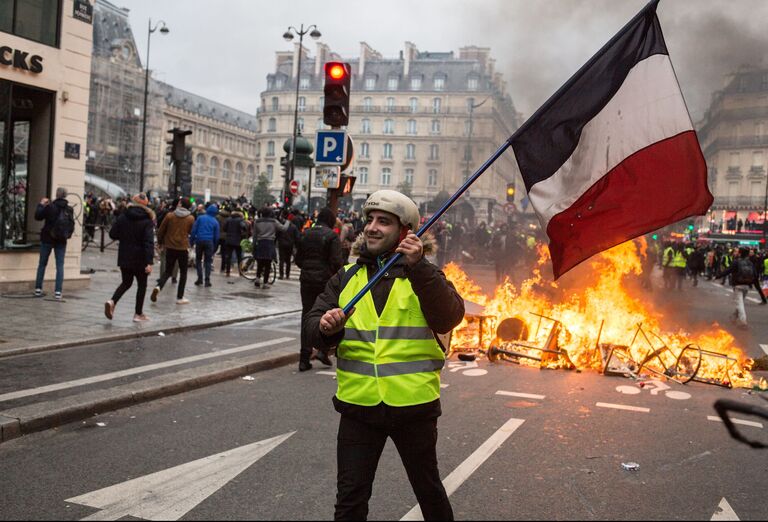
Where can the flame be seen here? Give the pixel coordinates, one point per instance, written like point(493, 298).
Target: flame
point(603, 306)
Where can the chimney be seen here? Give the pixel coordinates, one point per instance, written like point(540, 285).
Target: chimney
point(321, 57)
point(366, 52)
point(296, 51)
point(410, 55)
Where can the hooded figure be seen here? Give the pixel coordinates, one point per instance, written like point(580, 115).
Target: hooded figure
point(204, 237)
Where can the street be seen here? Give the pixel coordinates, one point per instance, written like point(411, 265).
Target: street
point(515, 442)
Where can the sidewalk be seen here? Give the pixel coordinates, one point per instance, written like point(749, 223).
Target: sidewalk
point(30, 324)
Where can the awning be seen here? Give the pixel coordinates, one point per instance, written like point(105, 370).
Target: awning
point(755, 216)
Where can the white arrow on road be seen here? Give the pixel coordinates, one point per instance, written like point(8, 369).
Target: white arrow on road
point(724, 512)
point(172, 493)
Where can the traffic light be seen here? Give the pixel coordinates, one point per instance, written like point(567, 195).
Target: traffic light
point(178, 149)
point(336, 102)
point(510, 192)
point(690, 227)
point(655, 237)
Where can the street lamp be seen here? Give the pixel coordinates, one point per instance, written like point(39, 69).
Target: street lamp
point(468, 152)
point(288, 36)
point(163, 30)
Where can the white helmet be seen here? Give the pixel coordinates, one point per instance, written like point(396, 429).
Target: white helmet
point(395, 203)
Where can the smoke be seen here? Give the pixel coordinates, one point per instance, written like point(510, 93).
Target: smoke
point(539, 45)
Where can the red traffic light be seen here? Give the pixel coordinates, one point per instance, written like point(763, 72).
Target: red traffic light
point(336, 91)
point(336, 71)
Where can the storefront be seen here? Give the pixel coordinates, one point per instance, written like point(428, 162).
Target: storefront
point(45, 54)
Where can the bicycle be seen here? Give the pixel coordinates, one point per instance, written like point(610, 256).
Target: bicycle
point(248, 269)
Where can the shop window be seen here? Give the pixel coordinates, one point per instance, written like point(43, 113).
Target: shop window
point(36, 20)
point(26, 124)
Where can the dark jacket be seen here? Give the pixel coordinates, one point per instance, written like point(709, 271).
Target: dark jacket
point(441, 304)
point(318, 255)
point(235, 229)
point(136, 232)
point(288, 238)
point(49, 213)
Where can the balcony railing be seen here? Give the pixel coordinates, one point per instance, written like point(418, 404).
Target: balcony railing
point(738, 202)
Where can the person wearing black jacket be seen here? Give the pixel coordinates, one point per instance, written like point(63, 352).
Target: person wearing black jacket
point(743, 277)
point(286, 243)
point(135, 230)
point(234, 230)
point(319, 257)
point(50, 212)
point(412, 424)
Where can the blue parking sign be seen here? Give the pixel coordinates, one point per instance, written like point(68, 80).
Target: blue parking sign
point(330, 147)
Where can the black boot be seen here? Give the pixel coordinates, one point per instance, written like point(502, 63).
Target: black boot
point(323, 358)
point(304, 366)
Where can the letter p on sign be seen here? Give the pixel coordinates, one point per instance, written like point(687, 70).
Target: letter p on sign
point(329, 145)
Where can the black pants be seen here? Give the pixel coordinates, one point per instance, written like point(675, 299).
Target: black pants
point(228, 249)
point(263, 268)
point(359, 447)
point(285, 260)
point(141, 280)
point(172, 257)
point(309, 293)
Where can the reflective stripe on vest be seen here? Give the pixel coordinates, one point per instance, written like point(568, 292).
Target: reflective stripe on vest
point(393, 358)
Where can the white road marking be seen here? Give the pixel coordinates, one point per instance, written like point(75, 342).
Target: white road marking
point(325, 372)
point(753, 299)
point(622, 407)
point(724, 512)
point(736, 421)
point(140, 369)
point(765, 348)
point(628, 390)
point(444, 385)
point(171, 493)
point(678, 395)
point(472, 463)
point(522, 395)
point(475, 372)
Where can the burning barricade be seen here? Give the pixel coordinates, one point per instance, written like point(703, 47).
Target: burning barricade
point(604, 325)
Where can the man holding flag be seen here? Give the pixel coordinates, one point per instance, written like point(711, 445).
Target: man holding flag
point(389, 358)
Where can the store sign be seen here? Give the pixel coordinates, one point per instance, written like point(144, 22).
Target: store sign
point(21, 60)
point(83, 11)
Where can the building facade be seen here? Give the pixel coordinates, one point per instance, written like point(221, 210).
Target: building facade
point(45, 64)
point(734, 138)
point(422, 122)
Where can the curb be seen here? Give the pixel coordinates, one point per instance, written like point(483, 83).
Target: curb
point(134, 335)
point(45, 415)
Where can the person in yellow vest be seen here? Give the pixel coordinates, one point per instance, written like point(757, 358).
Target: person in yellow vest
point(389, 357)
point(666, 264)
point(678, 265)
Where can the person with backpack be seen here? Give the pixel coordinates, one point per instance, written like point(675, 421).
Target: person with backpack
point(58, 228)
point(743, 277)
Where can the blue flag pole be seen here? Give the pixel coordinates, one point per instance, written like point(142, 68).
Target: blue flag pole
point(431, 221)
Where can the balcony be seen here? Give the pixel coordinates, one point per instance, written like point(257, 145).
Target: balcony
point(738, 203)
point(742, 142)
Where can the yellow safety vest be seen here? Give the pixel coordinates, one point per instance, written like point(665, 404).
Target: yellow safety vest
point(679, 260)
point(765, 266)
point(669, 252)
point(393, 358)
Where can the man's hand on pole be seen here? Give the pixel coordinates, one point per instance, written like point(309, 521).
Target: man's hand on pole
point(333, 321)
point(412, 249)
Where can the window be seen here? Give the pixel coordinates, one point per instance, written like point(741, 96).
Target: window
point(436, 103)
point(304, 84)
point(370, 83)
point(302, 104)
point(239, 172)
point(362, 176)
point(258, 149)
point(279, 82)
point(408, 176)
point(226, 169)
point(467, 152)
point(251, 173)
point(270, 148)
point(214, 167)
point(320, 125)
point(36, 20)
point(392, 83)
point(434, 152)
point(472, 83)
point(410, 151)
point(390, 104)
point(735, 159)
point(757, 158)
point(200, 165)
point(435, 129)
point(439, 83)
point(300, 124)
point(468, 128)
point(411, 127)
point(367, 104)
point(212, 186)
point(275, 103)
point(413, 103)
point(366, 126)
point(386, 176)
point(470, 104)
point(416, 83)
point(389, 126)
point(272, 125)
point(364, 151)
point(270, 172)
point(387, 151)
point(432, 178)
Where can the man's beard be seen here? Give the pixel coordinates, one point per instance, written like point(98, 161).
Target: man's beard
point(382, 247)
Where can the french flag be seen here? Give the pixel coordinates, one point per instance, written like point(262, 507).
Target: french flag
point(613, 154)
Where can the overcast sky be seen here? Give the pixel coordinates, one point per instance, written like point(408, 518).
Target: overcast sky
point(223, 50)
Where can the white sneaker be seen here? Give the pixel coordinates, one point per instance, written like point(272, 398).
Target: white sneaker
point(57, 296)
point(140, 318)
point(38, 292)
point(182, 301)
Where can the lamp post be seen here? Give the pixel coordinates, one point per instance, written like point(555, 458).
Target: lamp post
point(163, 30)
point(288, 36)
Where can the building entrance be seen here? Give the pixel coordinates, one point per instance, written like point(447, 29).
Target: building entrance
point(26, 130)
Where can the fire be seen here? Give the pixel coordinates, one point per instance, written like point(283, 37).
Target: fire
point(603, 309)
